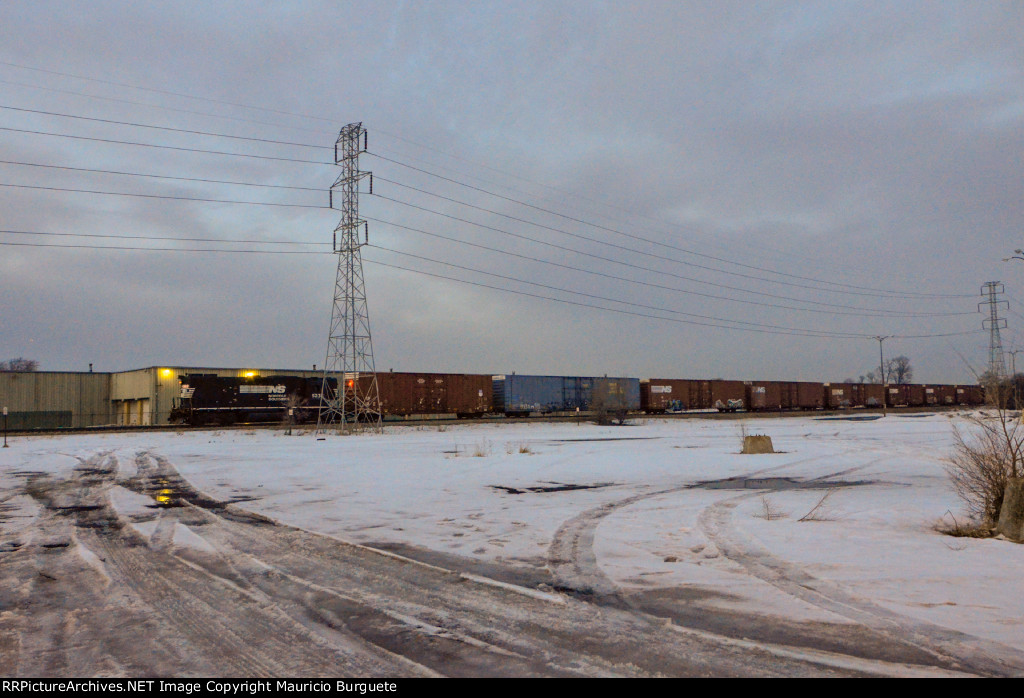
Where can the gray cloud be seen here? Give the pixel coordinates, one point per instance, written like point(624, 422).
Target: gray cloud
point(870, 144)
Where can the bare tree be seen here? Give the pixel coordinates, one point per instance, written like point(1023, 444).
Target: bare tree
point(19, 364)
point(900, 371)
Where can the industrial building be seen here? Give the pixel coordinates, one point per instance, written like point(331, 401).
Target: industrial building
point(56, 399)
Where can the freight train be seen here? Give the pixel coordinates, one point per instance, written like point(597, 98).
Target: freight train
point(211, 399)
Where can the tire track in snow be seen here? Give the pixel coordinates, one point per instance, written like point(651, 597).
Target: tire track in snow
point(571, 556)
point(243, 635)
point(574, 565)
point(962, 651)
point(567, 637)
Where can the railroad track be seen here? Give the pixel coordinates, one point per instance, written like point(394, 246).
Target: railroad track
point(497, 419)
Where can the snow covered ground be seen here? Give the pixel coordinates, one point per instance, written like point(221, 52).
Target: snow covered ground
point(463, 489)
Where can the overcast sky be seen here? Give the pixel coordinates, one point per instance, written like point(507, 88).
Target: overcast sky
point(834, 169)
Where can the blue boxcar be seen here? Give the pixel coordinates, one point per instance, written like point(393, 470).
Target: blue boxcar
point(515, 394)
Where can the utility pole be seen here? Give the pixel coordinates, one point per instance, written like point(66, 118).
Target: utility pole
point(993, 323)
point(881, 373)
point(349, 395)
point(1013, 361)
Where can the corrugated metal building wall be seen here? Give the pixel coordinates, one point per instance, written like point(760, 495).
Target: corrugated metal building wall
point(51, 399)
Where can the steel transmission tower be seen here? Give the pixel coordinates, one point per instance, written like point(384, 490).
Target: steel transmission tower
point(993, 323)
point(349, 396)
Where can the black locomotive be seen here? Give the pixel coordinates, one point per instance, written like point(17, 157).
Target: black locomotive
point(207, 398)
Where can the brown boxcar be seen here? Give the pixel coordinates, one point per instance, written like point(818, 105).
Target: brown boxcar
point(700, 395)
point(405, 394)
point(946, 394)
point(838, 395)
point(788, 395)
point(809, 396)
point(868, 394)
point(659, 395)
point(469, 395)
point(727, 396)
point(897, 395)
point(969, 395)
point(960, 396)
point(764, 395)
point(915, 395)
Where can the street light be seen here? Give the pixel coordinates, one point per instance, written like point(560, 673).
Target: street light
point(5, 428)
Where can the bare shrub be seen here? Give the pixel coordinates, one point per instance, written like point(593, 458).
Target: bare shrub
point(511, 448)
point(482, 449)
point(292, 412)
point(768, 510)
point(819, 512)
point(951, 526)
point(984, 459)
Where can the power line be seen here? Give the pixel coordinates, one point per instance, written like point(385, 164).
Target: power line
point(203, 180)
point(522, 220)
point(631, 249)
point(163, 147)
point(163, 128)
point(886, 292)
point(160, 196)
point(634, 313)
point(165, 92)
point(156, 176)
point(473, 283)
point(868, 312)
point(299, 115)
point(157, 249)
point(322, 119)
point(207, 200)
point(160, 106)
point(163, 237)
point(613, 300)
point(874, 313)
point(609, 259)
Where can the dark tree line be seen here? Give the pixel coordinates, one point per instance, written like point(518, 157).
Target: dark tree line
point(19, 364)
point(898, 371)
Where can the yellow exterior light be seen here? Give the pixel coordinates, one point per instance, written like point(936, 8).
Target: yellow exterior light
point(166, 372)
point(249, 374)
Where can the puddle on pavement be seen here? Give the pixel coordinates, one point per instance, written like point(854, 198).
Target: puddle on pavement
point(858, 418)
point(778, 483)
point(552, 487)
point(606, 438)
point(173, 492)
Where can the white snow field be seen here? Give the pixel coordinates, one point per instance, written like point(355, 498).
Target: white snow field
point(461, 489)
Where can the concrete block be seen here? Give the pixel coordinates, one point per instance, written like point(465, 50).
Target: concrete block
point(1011, 516)
point(757, 444)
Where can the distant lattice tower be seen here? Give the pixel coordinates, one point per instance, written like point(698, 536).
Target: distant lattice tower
point(993, 323)
point(349, 395)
